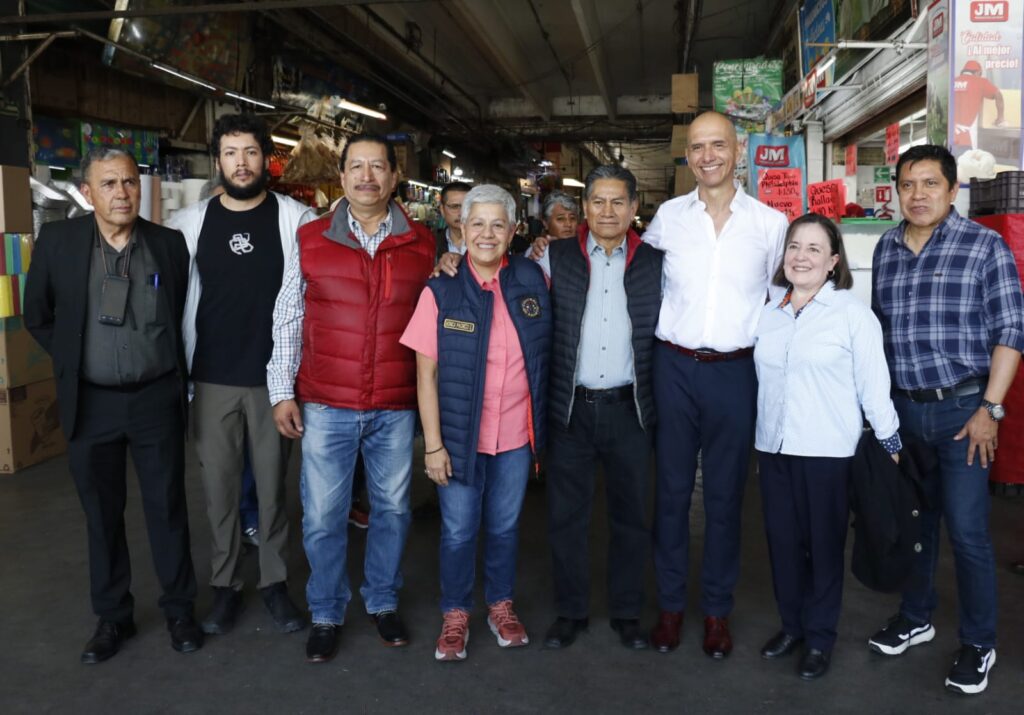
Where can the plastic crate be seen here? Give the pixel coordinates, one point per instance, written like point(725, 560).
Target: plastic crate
point(1001, 195)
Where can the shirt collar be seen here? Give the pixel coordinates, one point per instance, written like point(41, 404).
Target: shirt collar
point(738, 200)
point(945, 225)
point(476, 276)
point(356, 227)
point(593, 246)
point(825, 295)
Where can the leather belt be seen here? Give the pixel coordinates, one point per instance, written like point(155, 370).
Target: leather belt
point(709, 355)
point(614, 394)
point(965, 388)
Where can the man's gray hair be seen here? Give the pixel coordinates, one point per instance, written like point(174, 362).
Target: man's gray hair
point(559, 198)
point(610, 171)
point(104, 153)
point(489, 194)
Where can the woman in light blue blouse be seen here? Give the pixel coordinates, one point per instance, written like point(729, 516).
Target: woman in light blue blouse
point(820, 369)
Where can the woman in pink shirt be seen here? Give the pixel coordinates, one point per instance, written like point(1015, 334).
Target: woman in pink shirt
point(482, 340)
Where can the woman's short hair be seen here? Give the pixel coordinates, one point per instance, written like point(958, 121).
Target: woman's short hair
point(841, 276)
point(489, 194)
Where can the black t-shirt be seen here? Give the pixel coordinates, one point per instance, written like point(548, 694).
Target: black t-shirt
point(240, 265)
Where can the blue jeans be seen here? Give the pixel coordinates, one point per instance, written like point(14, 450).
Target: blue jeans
point(960, 494)
point(497, 499)
point(332, 438)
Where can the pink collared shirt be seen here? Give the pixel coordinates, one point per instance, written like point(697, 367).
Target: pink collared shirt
point(504, 420)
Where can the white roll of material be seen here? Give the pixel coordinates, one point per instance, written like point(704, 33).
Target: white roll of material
point(172, 203)
point(192, 188)
point(170, 189)
point(146, 201)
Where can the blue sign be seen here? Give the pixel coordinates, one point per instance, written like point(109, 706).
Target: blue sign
point(817, 24)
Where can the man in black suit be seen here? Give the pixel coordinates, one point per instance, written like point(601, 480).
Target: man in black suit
point(104, 296)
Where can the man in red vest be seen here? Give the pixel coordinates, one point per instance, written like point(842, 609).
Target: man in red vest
point(339, 380)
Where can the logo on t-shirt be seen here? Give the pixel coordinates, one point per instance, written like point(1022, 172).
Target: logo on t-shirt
point(241, 244)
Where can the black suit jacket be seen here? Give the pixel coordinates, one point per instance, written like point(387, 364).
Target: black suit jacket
point(56, 298)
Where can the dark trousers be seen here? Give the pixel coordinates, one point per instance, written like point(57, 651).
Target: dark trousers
point(148, 423)
point(611, 433)
point(806, 518)
point(705, 407)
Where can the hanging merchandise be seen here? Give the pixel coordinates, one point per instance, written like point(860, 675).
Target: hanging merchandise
point(748, 90)
point(314, 160)
point(770, 152)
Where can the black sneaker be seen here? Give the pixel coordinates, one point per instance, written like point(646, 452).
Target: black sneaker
point(287, 617)
point(899, 635)
point(227, 604)
point(969, 674)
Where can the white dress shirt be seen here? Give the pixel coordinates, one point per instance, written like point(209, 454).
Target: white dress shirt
point(815, 375)
point(715, 286)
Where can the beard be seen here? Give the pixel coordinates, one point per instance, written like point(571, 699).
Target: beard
point(243, 193)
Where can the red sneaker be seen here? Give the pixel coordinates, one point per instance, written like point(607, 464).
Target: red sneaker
point(505, 625)
point(454, 636)
point(358, 518)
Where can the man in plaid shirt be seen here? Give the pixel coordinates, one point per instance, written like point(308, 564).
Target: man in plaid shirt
point(947, 293)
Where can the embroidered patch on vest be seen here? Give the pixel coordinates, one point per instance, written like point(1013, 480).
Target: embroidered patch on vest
point(460, 325)
point(531, 307)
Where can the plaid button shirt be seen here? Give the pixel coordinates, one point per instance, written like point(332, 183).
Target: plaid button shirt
point(944, 310)
point(370, 242)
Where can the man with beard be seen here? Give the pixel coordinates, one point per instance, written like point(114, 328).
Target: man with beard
point(240, 243)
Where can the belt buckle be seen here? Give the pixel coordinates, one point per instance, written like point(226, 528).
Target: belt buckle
point(588, 396)
point(939, 395)
point(704, 355)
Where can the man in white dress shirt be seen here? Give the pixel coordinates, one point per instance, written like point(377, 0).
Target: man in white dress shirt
point(721, 249)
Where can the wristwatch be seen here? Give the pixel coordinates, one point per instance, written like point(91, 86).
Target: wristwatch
point(995, 411)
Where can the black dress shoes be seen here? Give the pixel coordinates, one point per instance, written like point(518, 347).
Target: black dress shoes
point(390, 628)
point(107, 640)
point(227, 605)
point(186, 635)
point(563, 632)
point(814, 664)
point(287, 617)
point(322, 642)
point(780, 645)
point(629, 632)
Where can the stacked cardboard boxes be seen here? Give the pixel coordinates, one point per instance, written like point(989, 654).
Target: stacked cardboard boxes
point(29, 427)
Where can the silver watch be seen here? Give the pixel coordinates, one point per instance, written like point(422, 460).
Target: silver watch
point(996, 411)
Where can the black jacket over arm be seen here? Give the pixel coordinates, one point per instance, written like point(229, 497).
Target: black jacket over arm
point(56, 298)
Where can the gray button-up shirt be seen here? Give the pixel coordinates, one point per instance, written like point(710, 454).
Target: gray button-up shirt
point(606, 351)
point(141, 348)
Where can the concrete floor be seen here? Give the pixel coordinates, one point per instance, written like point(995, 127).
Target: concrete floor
point(46, 620)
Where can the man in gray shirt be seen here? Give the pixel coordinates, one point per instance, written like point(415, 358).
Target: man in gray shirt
point(104, 297)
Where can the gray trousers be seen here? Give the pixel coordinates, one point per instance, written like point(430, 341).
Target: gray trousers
point(221, 417)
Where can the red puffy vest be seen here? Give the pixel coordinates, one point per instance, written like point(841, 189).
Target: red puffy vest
point(356, 309)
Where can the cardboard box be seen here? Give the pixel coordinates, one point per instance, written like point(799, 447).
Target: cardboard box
point(29, 426)
point(685, 94)
point(685, 183)
point(680, 133)
point(22, 359)
point(15, 200)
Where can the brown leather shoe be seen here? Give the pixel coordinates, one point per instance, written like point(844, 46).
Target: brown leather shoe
point(665, 635)
point(717, 641)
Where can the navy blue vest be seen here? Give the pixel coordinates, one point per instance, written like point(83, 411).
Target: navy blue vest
point(464, 313)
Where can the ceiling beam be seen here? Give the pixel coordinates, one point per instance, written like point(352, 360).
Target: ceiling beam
point(166, 10)
point(493, 35)
point(586, 18)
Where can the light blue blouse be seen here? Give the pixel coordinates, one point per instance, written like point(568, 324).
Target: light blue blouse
point(819, 375)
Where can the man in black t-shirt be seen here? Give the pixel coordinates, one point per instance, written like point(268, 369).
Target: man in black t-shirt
point(240, 243)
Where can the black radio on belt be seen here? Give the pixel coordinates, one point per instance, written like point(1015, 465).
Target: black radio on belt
point(114, 292)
